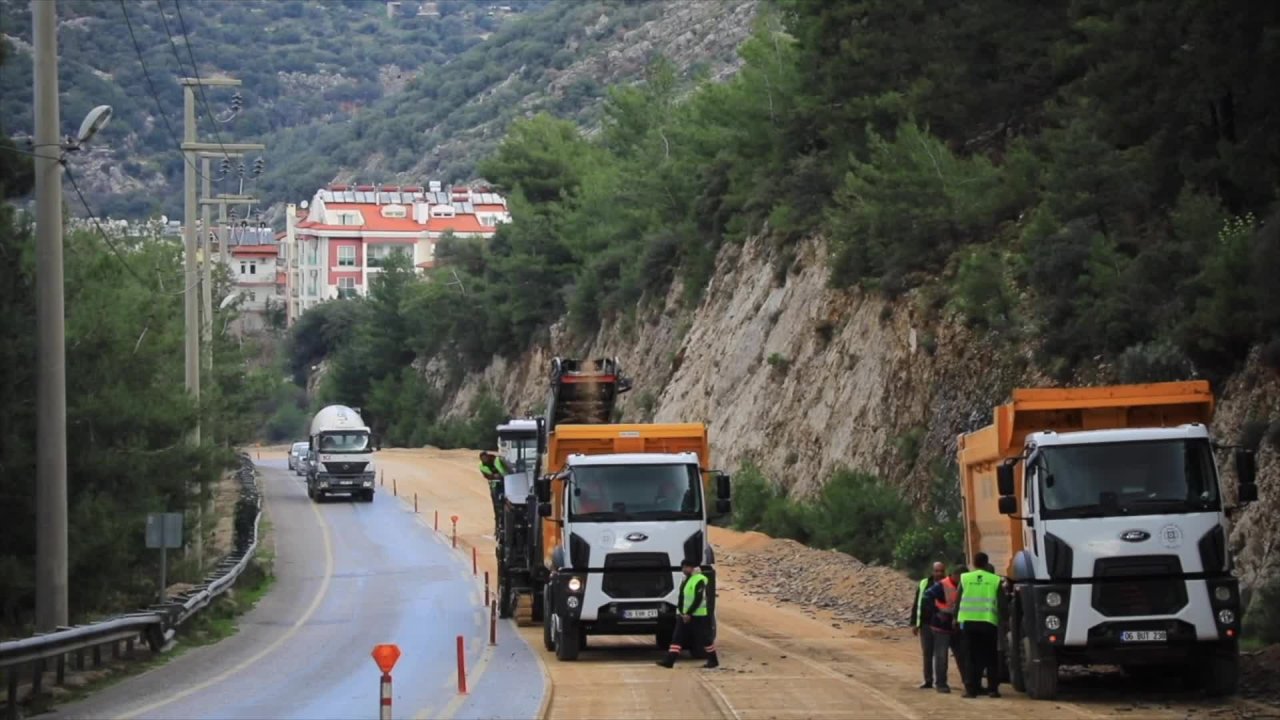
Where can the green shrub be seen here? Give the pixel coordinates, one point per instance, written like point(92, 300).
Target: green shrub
point(751, 495)
point(1262, 618)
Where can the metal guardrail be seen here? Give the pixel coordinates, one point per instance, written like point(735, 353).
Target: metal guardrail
point(156, 625)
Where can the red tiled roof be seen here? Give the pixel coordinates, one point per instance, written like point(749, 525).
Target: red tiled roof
point(457, 223)
point(375, 222)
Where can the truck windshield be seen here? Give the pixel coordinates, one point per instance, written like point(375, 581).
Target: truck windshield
point(1131, 478)
point(609, 493)
point(350, 442)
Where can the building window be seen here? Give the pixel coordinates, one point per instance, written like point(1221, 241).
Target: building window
point(253, 296)
point(346, 287)
point(346, 256)
point(379, 254)
point(253, 268)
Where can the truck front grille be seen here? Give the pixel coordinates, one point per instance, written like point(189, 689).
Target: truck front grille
point(345, 468)
point(1143, 585)
point(637, 575)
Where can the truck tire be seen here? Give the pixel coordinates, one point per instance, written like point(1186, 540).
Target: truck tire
point(567, 640)
point(1017, 676)
point(1221, 670)
point(548, 639)
point(1040, 671)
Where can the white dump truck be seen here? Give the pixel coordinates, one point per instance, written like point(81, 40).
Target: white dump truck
point(340, 456)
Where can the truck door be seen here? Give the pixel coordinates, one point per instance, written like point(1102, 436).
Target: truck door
point(1031, 530)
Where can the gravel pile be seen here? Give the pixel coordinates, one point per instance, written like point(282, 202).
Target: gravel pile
point(788, 572)
point(1260, 675)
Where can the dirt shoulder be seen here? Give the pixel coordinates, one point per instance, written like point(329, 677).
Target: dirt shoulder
point(804, 633)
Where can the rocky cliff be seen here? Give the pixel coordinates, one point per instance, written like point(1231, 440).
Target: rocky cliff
point(801, 379)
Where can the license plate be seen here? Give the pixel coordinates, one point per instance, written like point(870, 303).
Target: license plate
point(1144, 636)
point(639, 614)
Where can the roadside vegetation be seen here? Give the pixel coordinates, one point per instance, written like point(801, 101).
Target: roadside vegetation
point(128, 416)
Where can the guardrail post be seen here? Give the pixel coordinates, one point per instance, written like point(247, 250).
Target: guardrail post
point(80, 659)
point(11, 711)
point(60, 669)
point(97, 656)
point(115, 649)
point(128, 648)
point(37, 678)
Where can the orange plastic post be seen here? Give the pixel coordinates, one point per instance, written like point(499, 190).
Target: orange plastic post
point(474, 567)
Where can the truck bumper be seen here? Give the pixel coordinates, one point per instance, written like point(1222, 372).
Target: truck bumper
point(344, 483)
point(1077, 633)
point(599, 614)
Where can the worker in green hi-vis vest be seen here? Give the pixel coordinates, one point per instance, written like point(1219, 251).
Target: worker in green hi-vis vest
point(920, 621)
point(979, 617)
point(693, 626)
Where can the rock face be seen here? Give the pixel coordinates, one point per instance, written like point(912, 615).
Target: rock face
point(801, 379)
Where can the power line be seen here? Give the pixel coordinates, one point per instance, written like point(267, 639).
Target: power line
point(152, 88)
point(195, 71)
point(94, 217)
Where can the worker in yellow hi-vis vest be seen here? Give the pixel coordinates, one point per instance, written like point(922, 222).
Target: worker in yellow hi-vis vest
point(979, 617)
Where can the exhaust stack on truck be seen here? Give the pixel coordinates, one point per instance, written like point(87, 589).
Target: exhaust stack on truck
point(1103, 509)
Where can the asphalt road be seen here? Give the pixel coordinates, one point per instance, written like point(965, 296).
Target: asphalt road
point(349, 576)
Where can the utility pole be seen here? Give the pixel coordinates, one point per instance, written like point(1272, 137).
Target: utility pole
point(206, 286)
point(51, 364)
point(190, 148)
point(191, 277)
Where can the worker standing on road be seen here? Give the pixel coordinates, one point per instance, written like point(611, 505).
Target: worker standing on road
point(941, 598)
point(978, 599)
point(919, 620)
point(694, 623)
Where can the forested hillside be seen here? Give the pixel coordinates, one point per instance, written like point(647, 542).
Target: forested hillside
point(303, 63)
point(338, 89)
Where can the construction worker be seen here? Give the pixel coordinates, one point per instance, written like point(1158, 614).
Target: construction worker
point(694, 623)
point(494, 469)
point(941, 597)
point(919, 619)
point(978, 600)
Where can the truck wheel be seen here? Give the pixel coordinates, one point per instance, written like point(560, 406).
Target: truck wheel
point(1040, 670)
point(1221, 670)
point(567, 641)
point(1014, 657)
point(548, 640)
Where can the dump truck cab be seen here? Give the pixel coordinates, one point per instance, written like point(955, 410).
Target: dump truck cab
point(1104, 510)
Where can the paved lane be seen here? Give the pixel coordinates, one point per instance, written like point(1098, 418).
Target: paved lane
point(349, 575)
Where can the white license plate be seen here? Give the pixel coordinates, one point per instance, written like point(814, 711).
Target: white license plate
point(1144, 636)
point(639, 614)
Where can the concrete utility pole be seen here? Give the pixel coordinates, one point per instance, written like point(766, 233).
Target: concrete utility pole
point(191, 277)
point(191, 147)
point(51, 364)
point(206, 272)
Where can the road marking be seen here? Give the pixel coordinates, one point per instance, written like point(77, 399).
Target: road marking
point(719, 698)
point(297, 625)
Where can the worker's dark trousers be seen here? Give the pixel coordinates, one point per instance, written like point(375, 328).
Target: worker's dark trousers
point(926, 649)
point(983, 646)
point(694, 633)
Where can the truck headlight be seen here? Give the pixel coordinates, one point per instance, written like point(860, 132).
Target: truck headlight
point(1226, 617)
point(1222, 593)
point(1053, 599)
point(572, 603)
point(574, 585)
point(1052, 622)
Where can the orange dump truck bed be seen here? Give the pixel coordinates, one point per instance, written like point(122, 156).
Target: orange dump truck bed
point(1059, 410)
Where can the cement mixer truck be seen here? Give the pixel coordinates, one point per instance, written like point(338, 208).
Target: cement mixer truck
point(1102, 508)
point(340, 455)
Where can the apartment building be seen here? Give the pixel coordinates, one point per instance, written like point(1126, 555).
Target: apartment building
point(336, 242)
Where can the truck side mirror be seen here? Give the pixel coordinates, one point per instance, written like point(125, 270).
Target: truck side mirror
point(724, 506)
point(1008, 505)
point(542, 488)
point(544, 509)
point(1004, 479)
point(722, 486)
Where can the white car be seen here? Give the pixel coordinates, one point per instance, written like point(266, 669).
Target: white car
point(298, 457)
